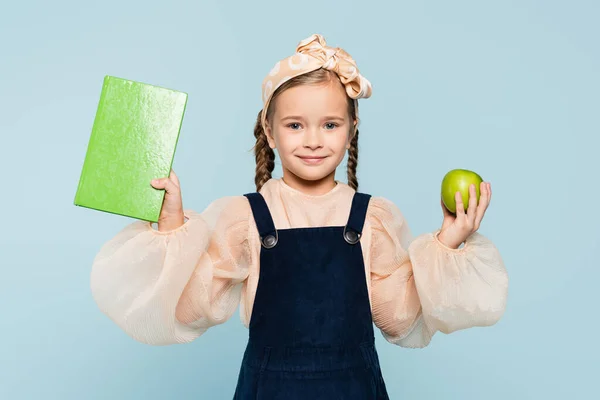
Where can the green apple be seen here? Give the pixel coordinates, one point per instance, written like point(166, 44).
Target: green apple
point(459, 180)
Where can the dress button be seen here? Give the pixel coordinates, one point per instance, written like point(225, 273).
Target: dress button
point(269, 241)
point(351, 236)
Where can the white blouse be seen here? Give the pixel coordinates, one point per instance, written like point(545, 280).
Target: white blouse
point(170, 287)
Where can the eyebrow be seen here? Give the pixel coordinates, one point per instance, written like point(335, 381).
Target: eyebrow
point(328, 117)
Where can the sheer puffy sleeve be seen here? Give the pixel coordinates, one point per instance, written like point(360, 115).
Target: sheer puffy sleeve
point(420, 286)
point(170, 287)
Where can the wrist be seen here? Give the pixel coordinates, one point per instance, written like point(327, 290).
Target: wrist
point(445, 242)
point(171, 224)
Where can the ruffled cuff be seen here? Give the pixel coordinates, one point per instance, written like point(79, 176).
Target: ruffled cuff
point(187, 215)
point(418, 336)
point(459, 288)
point(138, 276)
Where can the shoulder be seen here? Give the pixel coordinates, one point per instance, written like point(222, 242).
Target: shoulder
point(383, 210)
point(387, 224)
point(231, 205)
point(223, 212)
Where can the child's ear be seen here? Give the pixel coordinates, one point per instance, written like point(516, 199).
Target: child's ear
point(270, 139)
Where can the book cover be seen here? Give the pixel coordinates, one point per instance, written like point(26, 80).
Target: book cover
point(133, 140)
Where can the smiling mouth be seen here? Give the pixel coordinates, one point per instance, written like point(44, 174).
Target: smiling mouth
point(312, 159)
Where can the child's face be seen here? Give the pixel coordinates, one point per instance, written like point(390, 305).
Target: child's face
point(311, 130)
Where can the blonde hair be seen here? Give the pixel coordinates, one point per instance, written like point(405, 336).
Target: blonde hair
point(265, 156)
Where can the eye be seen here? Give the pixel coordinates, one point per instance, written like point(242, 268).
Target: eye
point(331, 125)
point(293, 126)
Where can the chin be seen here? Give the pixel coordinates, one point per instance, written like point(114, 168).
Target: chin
point(312, 174)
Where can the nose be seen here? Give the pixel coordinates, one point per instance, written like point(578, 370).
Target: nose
point(313, 138)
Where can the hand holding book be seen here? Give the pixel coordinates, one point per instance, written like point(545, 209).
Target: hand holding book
point(171, 214)
point(133, 140)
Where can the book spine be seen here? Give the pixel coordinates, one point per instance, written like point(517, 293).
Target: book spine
point(99, 111)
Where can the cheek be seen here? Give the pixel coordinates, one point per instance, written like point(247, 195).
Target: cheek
point(338, 141)
point(287, 142)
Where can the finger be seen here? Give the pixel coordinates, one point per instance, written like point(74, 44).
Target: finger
point(483, 204)
point(174, 178)
point(164, 183)
point(484, 198)
point(460, 207)
point(489, 187)
point(159, 183)
point(472, 206)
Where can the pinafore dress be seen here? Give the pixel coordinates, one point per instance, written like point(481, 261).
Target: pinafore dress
point(311, 333)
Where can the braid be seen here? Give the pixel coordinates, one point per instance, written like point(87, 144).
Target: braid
point(353, 162)
point(264, 155)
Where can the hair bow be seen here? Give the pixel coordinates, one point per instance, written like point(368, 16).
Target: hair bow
point(311, 54)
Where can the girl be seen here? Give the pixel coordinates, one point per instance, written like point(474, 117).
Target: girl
point(312, 262)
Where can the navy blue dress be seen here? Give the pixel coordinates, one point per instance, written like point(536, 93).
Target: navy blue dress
point(311, 333)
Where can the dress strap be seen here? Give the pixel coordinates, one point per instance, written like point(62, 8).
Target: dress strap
point(264, 221)
point(356, 220)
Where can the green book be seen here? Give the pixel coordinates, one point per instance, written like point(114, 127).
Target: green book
point(133, 140)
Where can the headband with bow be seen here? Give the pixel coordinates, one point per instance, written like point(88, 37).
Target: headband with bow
point(311, 54)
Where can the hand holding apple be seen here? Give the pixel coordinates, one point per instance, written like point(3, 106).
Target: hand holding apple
point(464, 212)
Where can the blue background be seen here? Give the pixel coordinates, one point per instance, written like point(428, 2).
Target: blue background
point(509, 89)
